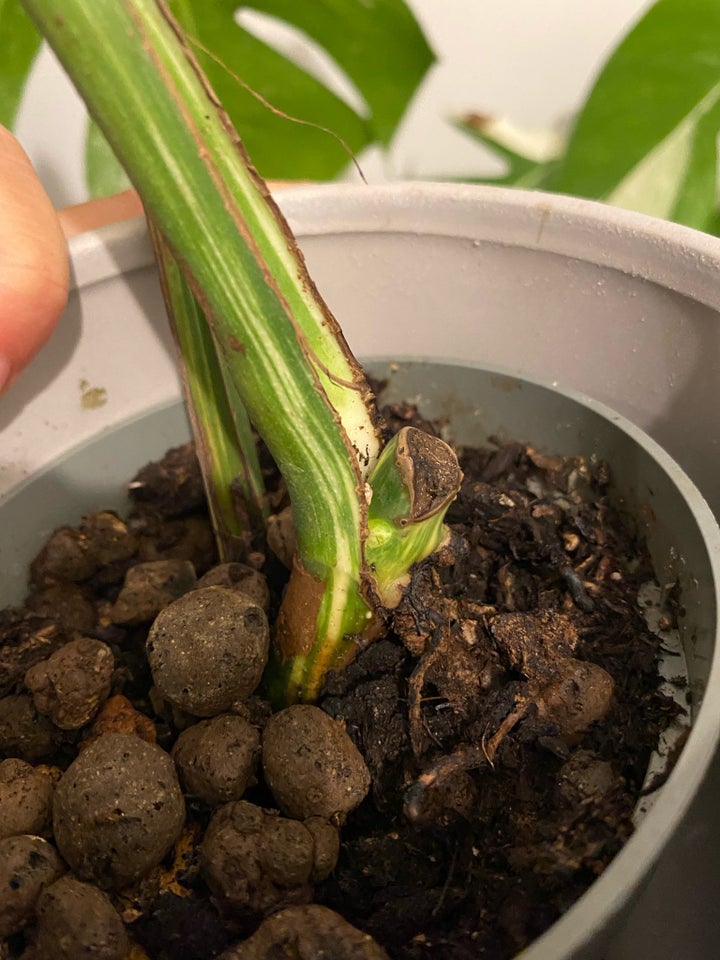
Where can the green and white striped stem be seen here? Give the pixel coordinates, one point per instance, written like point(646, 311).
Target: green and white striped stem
point(224, 439)
point(279, 346)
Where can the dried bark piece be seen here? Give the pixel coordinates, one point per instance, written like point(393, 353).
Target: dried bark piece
point(208, 649)
point(70, 686)
point(311, 765)
point(187, 538)
point(118, 715)
point(27, 864)
point(170, 486)
point(149, 588)
point(74, 554)
point(25, 641)
point(65, 556)
point(118, 810)
point(110, 540)
point(216, 759)
point(535, 643)
point(306, 933)
point(77, 920)
point(26, 796)
point(255, 862)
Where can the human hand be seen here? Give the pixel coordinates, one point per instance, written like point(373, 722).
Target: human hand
point(34, 274)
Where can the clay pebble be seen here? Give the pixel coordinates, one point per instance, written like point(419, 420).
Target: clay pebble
point(256, 862)
point(118, 809)
point(149, 587)
point(24, 732)
point(70, 686)
point(208, 649)
point(242, 578)
point(26, 796)
point(76, 920)
point(216, 759)
point(311, 765)
point(27, 864)
point(307, 932)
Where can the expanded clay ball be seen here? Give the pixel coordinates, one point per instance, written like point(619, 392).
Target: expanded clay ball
point(208, 649)
point(303, 932)
point(27, 864)
point(75, 920)
point(256, 862)
point(216, 759)
point(70, 686)
point(118, 809)
point(25, 798)
point(311, 765)
point(241, 578)
point(149, 587)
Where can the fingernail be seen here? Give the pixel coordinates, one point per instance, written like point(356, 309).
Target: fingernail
point(4, 371)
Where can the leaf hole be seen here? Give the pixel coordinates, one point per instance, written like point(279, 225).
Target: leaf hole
point(300, 49)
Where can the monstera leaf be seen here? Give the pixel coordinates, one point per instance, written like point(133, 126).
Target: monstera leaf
point(21, 42)
point(373, 55)
point(647, 136)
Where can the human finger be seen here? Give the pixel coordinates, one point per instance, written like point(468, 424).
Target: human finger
point(34, 276)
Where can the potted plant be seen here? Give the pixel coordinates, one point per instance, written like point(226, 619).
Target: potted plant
point(505, 383)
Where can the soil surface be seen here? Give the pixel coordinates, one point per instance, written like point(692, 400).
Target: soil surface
point(506, 721)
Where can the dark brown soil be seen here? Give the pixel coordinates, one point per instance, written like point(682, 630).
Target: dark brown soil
point(507, 719)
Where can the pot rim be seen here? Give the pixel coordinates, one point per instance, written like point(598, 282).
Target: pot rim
point(677, 257)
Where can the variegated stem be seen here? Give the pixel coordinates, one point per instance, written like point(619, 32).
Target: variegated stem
point(224, 440)
point(412, 485)
point(280, 346)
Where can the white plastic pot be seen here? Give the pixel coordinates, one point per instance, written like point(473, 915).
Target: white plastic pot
point(621, 307)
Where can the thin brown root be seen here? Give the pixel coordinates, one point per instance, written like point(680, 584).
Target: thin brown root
point(465, 757)
point(415, 688)
point(446, 886)
point(276, 110)
point(490, 747)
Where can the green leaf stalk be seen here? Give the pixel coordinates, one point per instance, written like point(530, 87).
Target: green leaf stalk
point(279, 346)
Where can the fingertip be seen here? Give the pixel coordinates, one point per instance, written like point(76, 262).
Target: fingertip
point(34, 269)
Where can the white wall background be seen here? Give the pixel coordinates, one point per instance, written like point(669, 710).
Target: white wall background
point(529, 60)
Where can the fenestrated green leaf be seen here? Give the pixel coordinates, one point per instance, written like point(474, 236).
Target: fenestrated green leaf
point(103, 174)
point(656, 86)
point(676, 172)
point(697, 198)
point(20, 44)
point(378, 45)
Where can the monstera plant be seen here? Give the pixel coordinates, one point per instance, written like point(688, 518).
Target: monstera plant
point(259, 345)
